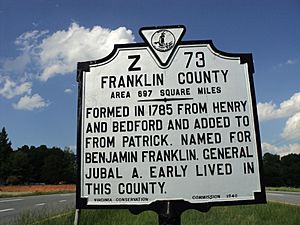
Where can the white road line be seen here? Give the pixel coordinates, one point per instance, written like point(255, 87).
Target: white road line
point(11, 200)
point(68, 194)
point(6, 210)
point(62, 200)
point(276, 194)
point(40, 204)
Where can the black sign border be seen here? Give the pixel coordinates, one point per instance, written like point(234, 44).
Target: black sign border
point(178, 206)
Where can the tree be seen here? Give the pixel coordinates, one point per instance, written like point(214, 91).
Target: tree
point(5, 151)
point(272, 170)
point(37, 157)
point(35, 164)
point(20, 166)
point(53, 167)
point(69, 175)
point(291, 170)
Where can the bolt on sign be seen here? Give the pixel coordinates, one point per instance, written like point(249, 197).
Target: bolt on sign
point(168, 120)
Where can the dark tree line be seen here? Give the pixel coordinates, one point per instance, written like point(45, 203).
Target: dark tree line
point(282, 171)
point(35, 164)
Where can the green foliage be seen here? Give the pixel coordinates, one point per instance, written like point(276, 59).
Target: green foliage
point(272, 170)
point(35, 164)
point(282, 171)
point(291, 170)
point(266, 214)
point(5, 152)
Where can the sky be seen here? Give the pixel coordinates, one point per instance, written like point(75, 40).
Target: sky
point(41, 42)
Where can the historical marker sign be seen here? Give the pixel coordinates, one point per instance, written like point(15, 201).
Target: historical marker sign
point(168, 120)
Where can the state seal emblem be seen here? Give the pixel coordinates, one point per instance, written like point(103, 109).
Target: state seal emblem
point(163, 40)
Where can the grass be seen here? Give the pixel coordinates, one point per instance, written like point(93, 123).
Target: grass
point(286, 189)
point(36, 219)
point(43, 215)
point(267, 214)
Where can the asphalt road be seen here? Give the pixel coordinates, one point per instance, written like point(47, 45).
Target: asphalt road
point(13, 208)
point(284, 197)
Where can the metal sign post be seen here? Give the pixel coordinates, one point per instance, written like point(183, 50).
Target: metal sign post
point(77, 217)
point(167, 216)
point(168, 125)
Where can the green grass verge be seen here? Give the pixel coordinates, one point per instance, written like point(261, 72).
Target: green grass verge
point(267, 214)
point(286, 189)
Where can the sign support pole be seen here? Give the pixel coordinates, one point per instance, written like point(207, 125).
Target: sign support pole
point(77, 217)
point(168, 215)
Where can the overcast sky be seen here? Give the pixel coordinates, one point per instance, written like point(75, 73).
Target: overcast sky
point(41, 42)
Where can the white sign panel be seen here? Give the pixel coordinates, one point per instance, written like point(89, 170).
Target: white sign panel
point(168, 120)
